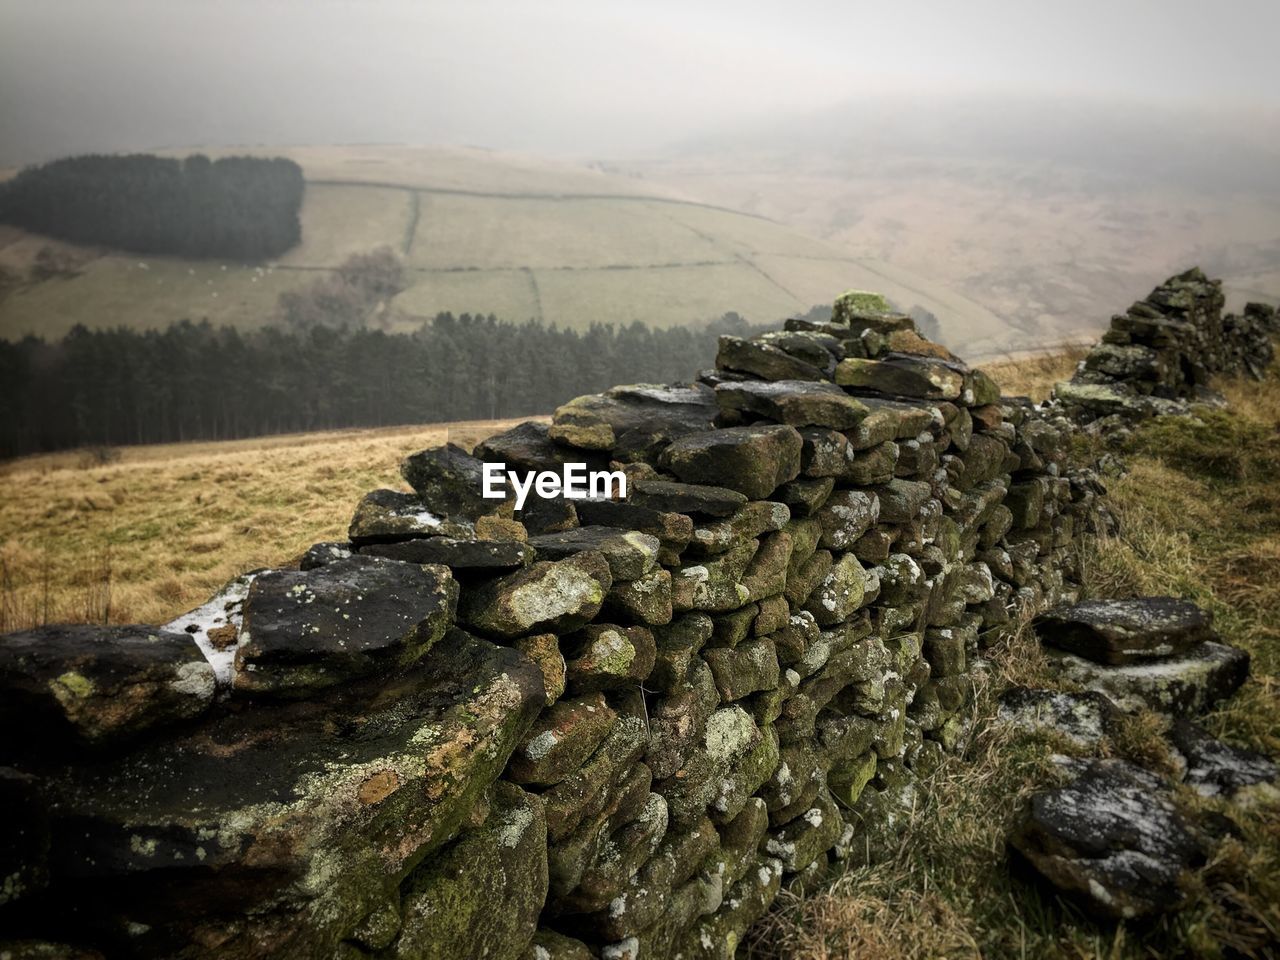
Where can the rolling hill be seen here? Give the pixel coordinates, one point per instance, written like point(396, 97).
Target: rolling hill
point(492, 233)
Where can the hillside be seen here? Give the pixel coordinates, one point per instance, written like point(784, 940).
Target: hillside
point(494, 233)
point(1050, 216)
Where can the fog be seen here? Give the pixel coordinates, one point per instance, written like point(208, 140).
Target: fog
point(585, 78)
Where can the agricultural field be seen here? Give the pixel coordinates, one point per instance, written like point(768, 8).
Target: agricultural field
point(480, 232)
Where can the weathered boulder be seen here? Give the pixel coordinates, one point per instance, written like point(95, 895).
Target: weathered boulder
point(318, 554)
point(1113, 839)
point(561, 740)
point(456, 554)
point(765, 360)
point(903, 375)
point(448, 904)
point(1188, 684)
point(558, 596)
point(306, 630)
point(98, 683)
point(801, 403)
point(630, 555)
point(755, 460)
point(1140, 630)
point(389, 516)
point(631, 415)
point(1215, 768)
point(300, 817)
point(450, 481)
point(687, 498)
point(602, 656)
point(1082, 719)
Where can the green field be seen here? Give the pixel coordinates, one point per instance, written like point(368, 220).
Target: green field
point(479, 232)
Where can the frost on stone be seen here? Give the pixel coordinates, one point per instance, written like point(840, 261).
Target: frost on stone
point(215, 626)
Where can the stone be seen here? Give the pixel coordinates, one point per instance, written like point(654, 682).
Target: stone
point(548, 514)
point(715, 585)
point(801, 403)
point(1115, 632)
point(805, 496)
point(448, 902)
point(388, 516)
point(632, 415)
point(1214, 768)
point(630, 555)
point(462, 555)
point(450, 481)
point(544, 650)
point(840, 593)
point(303, 631)
point(876, 465)
point(687, 498)
point(902, 500)
point(764, 360)
point(754, 460)
point(318, 554)
point(549, 945)
point(561, 740)
point(823, 453)
point(1082, 719)
point(679, 720)
point(646, 599)
point(748, 522)
point(624, 852)
point(903, 375)
point(602, 656)
point(854, 307)
point(99, 684)
point(308, 814)
point(849, 779)
point(584, 795)
point(1188, 684)
point(846, 516)
point(744, 669)
point(891, 420)
point(805, 838)
point(545, 596)
point(766, 574)
point(1113, 840)
point(528, 446)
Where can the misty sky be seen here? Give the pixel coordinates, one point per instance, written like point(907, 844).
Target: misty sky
point(579, 76)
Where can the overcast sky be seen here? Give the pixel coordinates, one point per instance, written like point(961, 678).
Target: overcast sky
point(579, 76)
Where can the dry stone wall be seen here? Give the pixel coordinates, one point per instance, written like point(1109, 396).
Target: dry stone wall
point(1164, 350)
point(589, 728)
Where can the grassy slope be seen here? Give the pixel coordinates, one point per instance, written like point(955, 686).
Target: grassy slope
point(154, 533)
point(506, 234)
point(1200, 517)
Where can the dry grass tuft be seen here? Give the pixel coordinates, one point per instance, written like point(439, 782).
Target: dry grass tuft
point(1034, 374)
point(151, 531)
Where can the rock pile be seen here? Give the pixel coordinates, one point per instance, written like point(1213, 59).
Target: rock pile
point(1115, 838)
point(604, 727)
point(1164, 350)
point(610, 728)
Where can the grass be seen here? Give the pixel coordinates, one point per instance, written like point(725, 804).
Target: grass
point(153, 533)
point(1200, 517)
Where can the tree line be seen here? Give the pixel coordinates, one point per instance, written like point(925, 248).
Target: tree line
point(195, 381)
point(236, 208)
